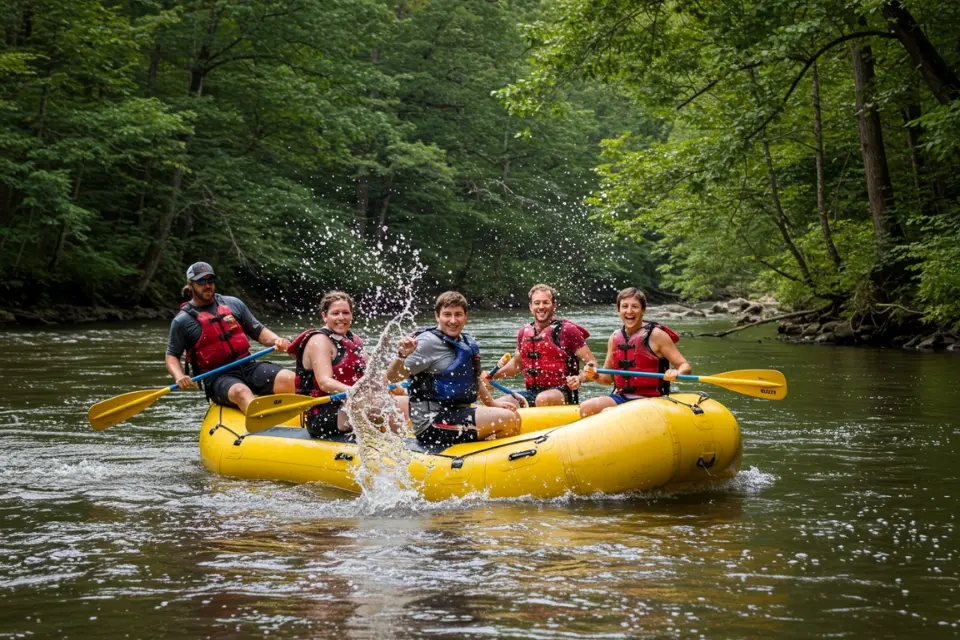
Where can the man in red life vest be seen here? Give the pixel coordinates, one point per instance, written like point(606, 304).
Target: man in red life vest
point(636, 346)
point(213, 330)
point(548, 353)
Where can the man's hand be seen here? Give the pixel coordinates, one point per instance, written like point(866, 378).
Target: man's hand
point(281, 344)
point(590, 371)
point(407, 346)
point(671, 374)
point(184, 382)
point(573, 382)
point(485, 377)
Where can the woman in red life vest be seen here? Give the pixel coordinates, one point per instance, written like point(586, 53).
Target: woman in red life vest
point(637, 346)
point(330, 360)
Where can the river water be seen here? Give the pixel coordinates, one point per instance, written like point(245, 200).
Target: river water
point(841, 524)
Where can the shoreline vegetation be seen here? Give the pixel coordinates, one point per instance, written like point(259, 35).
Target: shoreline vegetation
point(808, 326)
point(807, 151)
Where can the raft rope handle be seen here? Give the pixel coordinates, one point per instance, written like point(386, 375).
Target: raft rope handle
point(695, 407)
point(457, 461)
point(219, 424)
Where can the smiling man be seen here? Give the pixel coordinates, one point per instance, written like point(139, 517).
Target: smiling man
point(549, 351)
point(443, 364)
point(213, 330)
point(637, 346)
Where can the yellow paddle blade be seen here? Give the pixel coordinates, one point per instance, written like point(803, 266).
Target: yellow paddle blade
point(123, 407)
point(769, 384)
point(269, 411)
point(504, 359)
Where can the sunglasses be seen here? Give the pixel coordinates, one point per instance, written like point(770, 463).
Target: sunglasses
point(205, 281)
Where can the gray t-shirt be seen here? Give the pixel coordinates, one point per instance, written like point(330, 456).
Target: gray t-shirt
point(432, 355)
point(185, 330)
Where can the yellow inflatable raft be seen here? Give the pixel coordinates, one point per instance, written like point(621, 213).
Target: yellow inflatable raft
point(670, 443)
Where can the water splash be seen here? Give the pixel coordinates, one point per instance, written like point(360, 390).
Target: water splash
point(378, 424)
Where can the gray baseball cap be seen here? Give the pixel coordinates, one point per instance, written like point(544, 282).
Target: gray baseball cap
point(199, 270)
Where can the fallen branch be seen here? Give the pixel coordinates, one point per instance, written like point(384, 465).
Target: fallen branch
point(782, 316)
point(900, 307)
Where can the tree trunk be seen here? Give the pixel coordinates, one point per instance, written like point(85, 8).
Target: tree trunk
point(780, 219)
point(198, 72)
point(879, 187)
point(384, 204)
point(941, 79)
point(65, 226)
point(360, 208)
point(155, 250)
point(461, 276)
point(911, 113)
point(154, 68)
point(821, 181)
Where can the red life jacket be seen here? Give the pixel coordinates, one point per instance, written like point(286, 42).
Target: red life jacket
point(348, 364)
point(635, 354)
point(545, 363)
point(222, 338)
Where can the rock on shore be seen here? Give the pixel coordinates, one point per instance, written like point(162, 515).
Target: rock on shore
point(746, 311)
point(843, 332)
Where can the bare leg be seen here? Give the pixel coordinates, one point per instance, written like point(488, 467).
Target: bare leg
point(496, 422)
point(596, 405)
point(240, 395)
point(550, 398)
point(285, 382)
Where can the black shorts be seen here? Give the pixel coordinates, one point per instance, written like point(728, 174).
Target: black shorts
point(259, 376)
point(451, 426)
point(321, 422)
point(569, 397)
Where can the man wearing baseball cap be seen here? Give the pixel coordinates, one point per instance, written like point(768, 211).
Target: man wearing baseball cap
point(213, 330)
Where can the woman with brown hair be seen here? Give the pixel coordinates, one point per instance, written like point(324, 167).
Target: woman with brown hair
point(330, 360)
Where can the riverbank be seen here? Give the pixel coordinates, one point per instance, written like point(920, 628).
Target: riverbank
point(70, 314)
point(889, 326)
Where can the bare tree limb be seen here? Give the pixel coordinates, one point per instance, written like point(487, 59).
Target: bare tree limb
point(806, 67)
point(783, 316)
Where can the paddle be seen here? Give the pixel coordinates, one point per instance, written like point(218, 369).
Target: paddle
point(268, 411)
point(768, 384)
point(504, 359)
point(123, 407)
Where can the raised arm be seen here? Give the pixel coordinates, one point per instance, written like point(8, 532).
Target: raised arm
point(397, 370)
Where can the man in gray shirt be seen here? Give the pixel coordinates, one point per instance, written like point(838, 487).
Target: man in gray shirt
point(213, 330)
point(443, 364)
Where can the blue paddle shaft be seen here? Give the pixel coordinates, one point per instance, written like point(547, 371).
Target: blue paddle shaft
point(229, 365)
point(643, 374)
point(500, 387)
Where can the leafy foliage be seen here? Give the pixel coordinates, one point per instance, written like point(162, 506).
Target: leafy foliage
point(293, 145)
point(730, 194)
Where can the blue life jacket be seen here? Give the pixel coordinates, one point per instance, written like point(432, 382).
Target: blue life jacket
point(457, 384)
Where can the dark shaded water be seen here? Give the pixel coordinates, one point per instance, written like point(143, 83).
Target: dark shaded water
point(843, 522)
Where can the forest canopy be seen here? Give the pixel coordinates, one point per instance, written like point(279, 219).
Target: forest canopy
point(808, 149)
point(297, 146)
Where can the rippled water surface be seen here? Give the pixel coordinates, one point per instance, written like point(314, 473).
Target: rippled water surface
point(843, 522)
